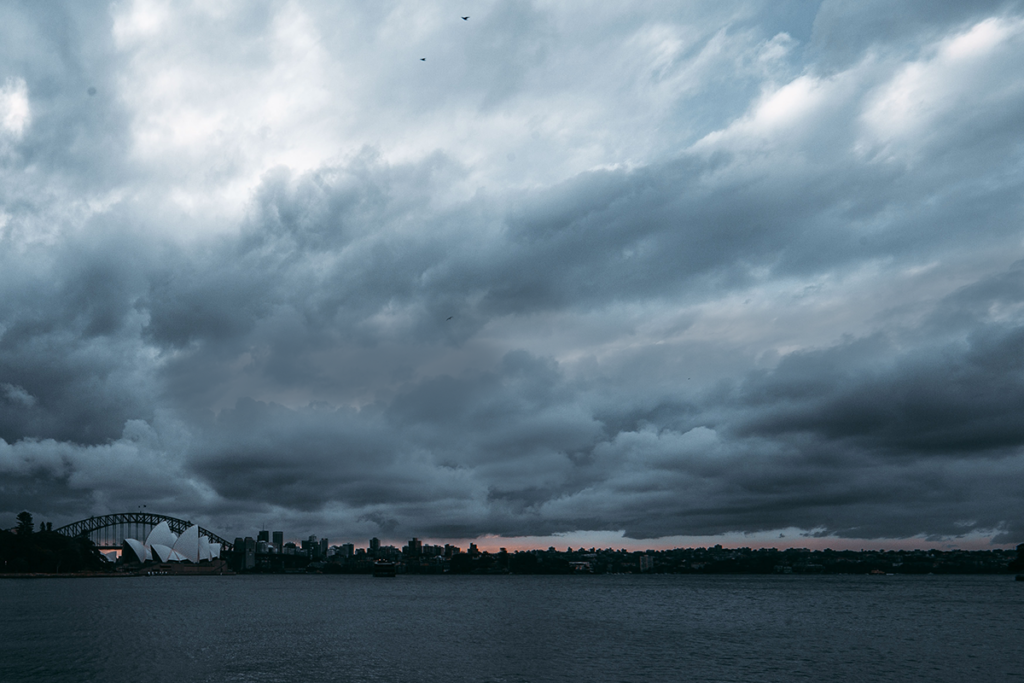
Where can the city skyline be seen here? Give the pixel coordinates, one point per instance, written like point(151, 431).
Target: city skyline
point(639, 275)
point(605, 541)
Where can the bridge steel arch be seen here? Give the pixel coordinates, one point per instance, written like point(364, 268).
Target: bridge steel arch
point(86, 527)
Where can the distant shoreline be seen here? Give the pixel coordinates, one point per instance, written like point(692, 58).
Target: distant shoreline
point(67, 575)
point(124, 575)
point(104, 575)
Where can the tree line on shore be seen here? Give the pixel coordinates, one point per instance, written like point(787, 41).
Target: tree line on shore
point(719, 560)
point(25, 550)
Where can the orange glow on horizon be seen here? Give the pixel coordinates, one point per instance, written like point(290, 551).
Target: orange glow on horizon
point(617, 541)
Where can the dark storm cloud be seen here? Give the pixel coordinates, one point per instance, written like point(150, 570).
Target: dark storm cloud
point(823, 452)
point(876, 435)
point(951, 386)
point(272, 448)
point(658, 231)
point(829, 440)
point(807, 314)
point(947, 400)
point(70, 339)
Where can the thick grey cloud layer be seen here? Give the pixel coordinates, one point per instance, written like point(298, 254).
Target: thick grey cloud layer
point(665, 271)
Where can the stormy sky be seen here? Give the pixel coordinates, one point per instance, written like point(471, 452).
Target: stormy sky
point(646, 272)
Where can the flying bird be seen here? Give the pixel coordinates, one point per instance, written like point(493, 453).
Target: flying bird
point(465, 18)
point(449, 318)
point(423, 59)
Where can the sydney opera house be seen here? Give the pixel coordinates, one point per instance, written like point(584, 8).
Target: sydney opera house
point(163, 546)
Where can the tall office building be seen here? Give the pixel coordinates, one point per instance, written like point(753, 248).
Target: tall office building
point(263, 536)
point(249, 560)
point(415, 547)
point(279, 540)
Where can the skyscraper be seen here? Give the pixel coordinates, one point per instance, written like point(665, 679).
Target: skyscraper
point(249, 559)
point(279, 540)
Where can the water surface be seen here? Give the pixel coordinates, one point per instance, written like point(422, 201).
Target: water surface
point(513, 628)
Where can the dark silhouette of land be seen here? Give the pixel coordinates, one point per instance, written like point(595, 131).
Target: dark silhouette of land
point(416, 558)
point(26, 550)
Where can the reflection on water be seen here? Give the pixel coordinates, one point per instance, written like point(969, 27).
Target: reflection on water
point(512, 628)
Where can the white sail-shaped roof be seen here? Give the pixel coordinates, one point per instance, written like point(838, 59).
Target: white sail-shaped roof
point(140, 550)
point(161, 552)
point(111, 556)
point(161, 534)
point(188, 544)
point(204, 549)
point(163, 546)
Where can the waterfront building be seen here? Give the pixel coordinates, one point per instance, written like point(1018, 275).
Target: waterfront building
point(311, 547)
point(162, 545)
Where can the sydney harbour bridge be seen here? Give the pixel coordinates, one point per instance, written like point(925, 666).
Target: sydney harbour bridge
point(109, 531)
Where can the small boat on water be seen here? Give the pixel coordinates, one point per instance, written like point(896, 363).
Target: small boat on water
point(383, 568)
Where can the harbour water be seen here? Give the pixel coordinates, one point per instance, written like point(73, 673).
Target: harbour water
point(512, 628)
